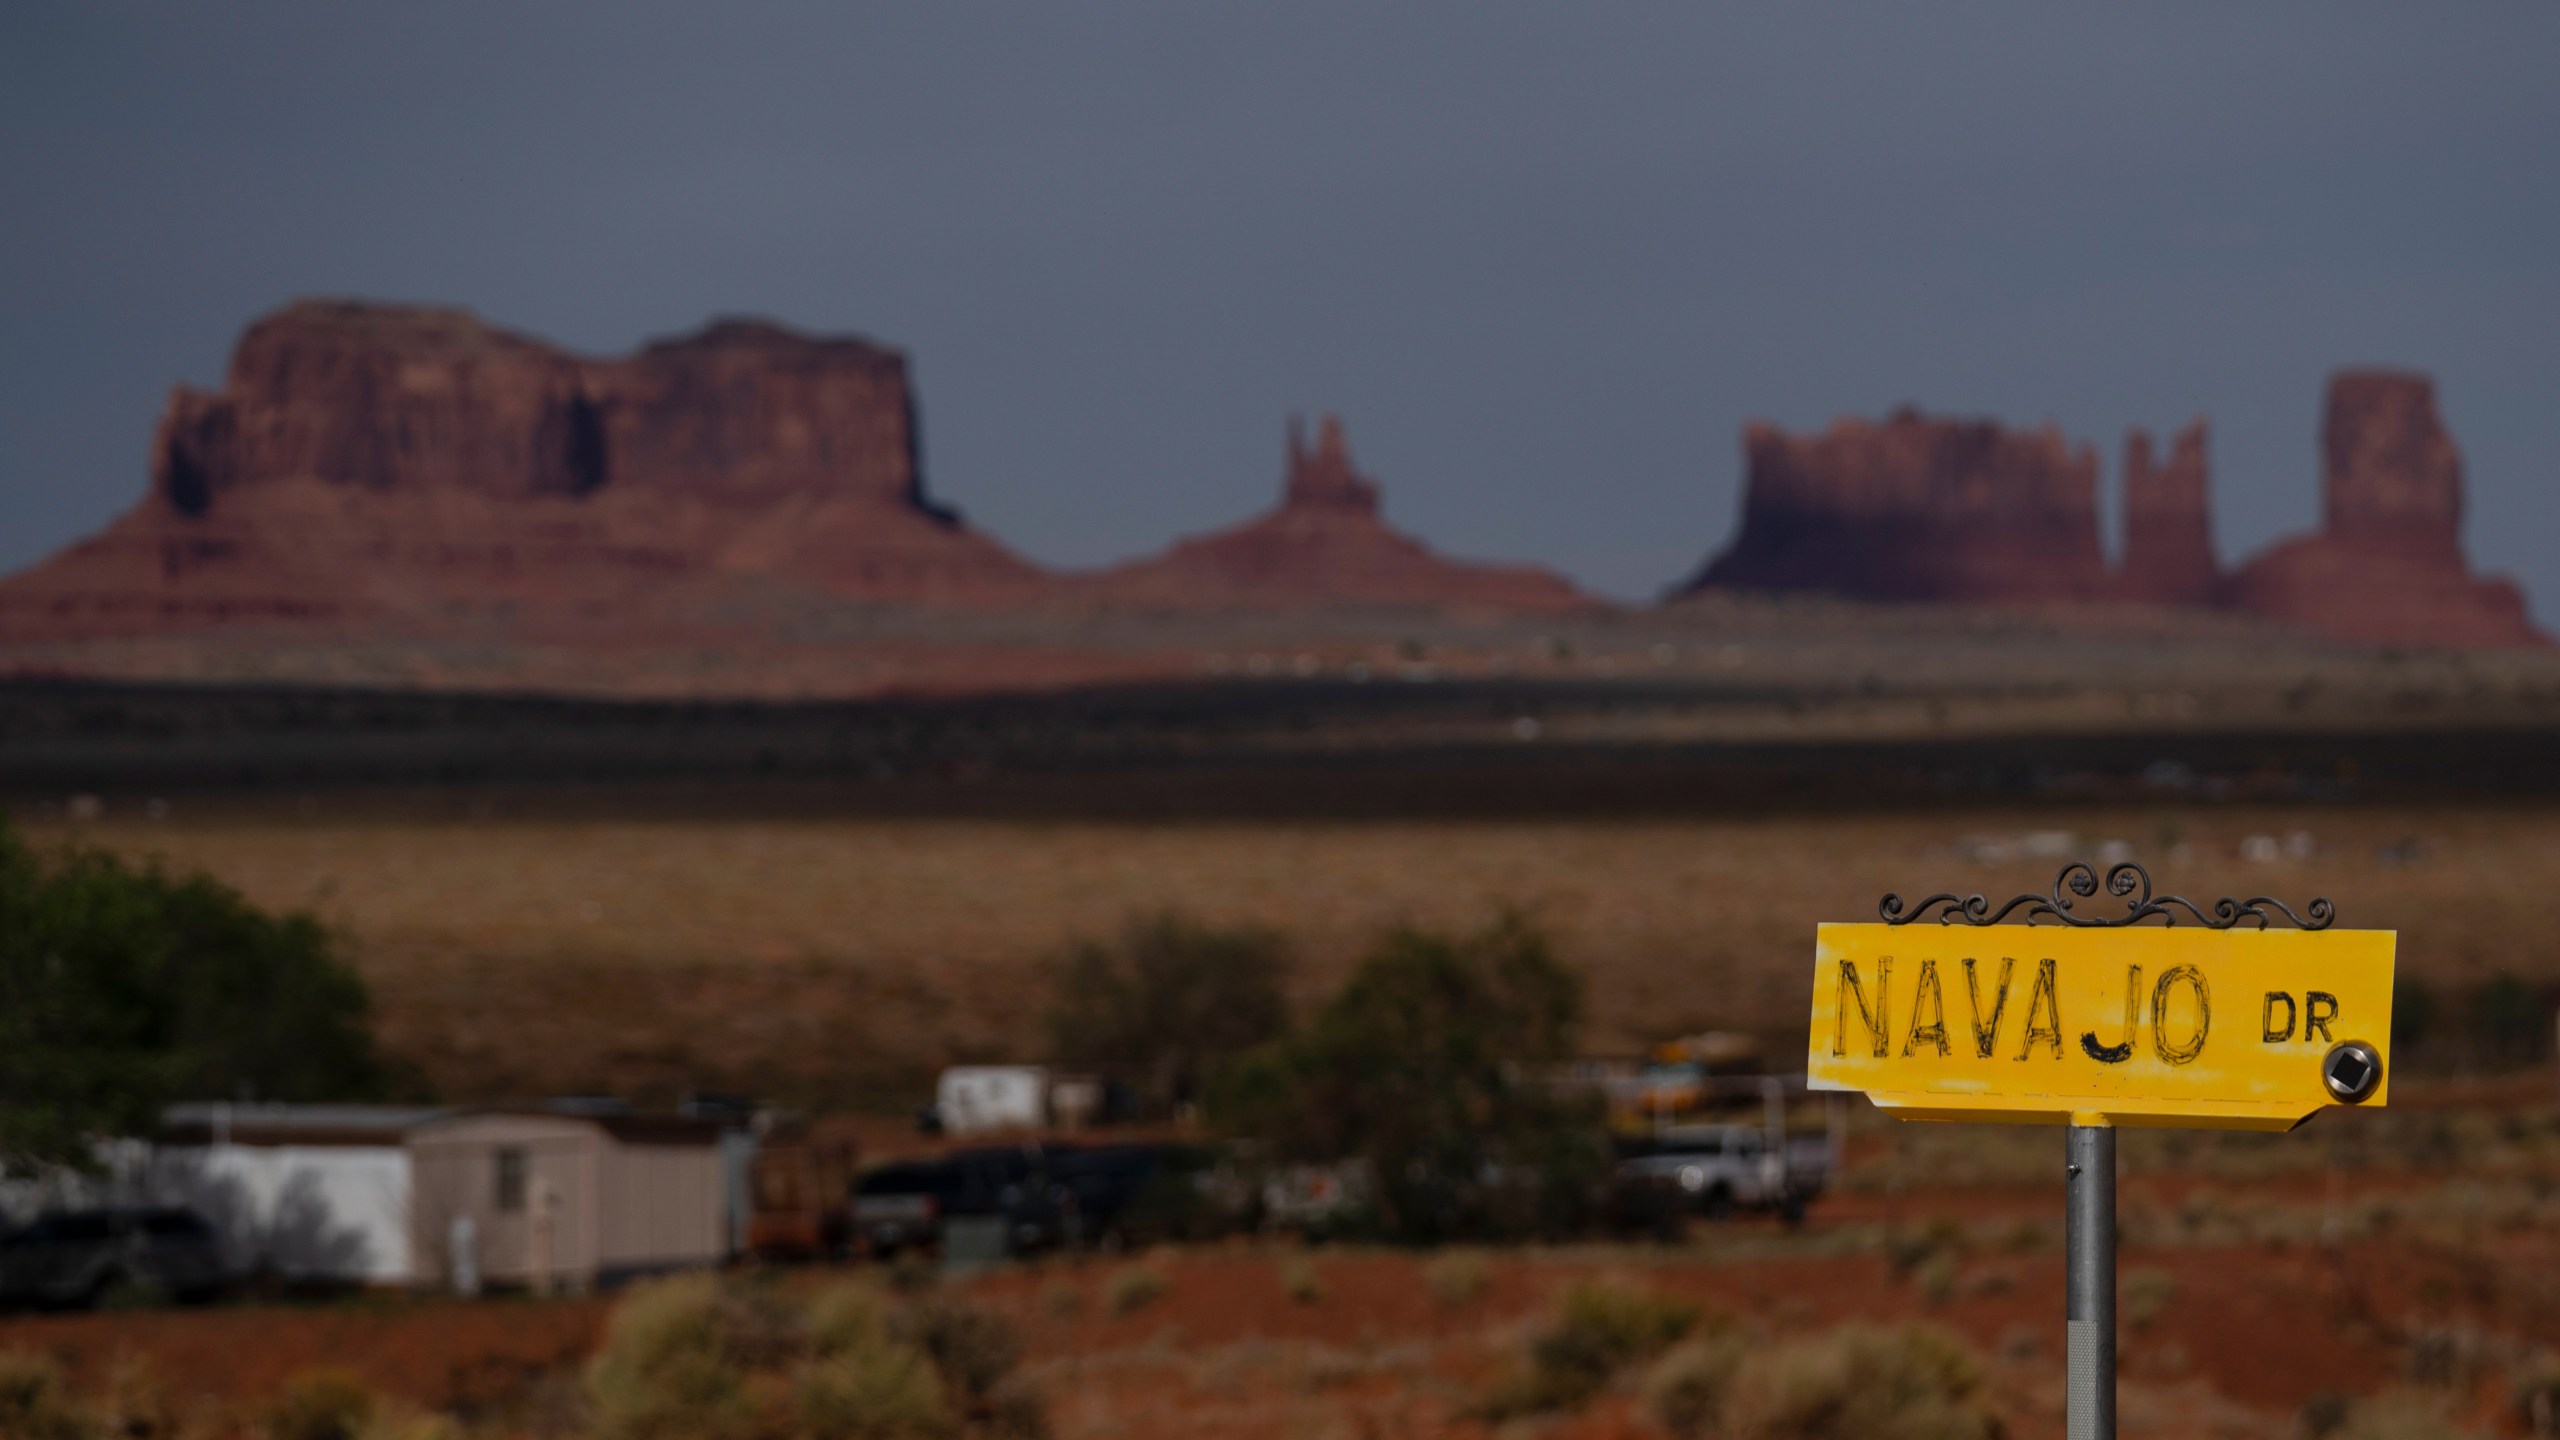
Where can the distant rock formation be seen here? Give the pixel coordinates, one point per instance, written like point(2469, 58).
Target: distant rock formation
point(2386, 566)
point(1916, 508)
point(1325, 545)
point(363, 460)
point(2168, 523)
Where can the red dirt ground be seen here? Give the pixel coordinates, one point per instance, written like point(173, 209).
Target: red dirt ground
point(2252, 1333)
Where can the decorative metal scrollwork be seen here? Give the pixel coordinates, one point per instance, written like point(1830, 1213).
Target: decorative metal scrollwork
point(2126, 880)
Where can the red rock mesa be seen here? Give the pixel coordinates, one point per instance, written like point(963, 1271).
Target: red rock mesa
point(364, 460)
point(2386, 566)
point(1325, 545)
point(1916, 509)
point(2168, 523)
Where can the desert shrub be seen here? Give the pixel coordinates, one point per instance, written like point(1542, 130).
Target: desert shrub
point(135, 1405)
point(35, 1404)
point(1016, 1410)
point(2325, 1414)
point(122, 989)
point(1908, 1251)
point(322, 1405)
point(1133, 1288)
point(401, 1422)
point(1861, 1382)
point(2026, 1237)
point(972, 1346)
point(1170, 1000)
point(1062, 1299)
point(1427, 1067)
point(2145, 1295)
point(1600, 1330)
point(2403, 1415)
point(1688, 1387)
point(878, 1390)
point(674, 1364)
point(1457, 1278)
point(2449, 1357)
point(847, 1316)
point(1935, 1277)
point(912, 1272)
point(1300, 1281)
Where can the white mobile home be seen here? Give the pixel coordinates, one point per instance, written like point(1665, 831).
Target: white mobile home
point(391, 1196)
point(306, 1192)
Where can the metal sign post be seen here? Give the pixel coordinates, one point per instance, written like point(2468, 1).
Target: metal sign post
point(2089, 1284)
point(2097, 1022)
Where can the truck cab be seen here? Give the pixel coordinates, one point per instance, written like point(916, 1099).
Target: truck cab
point(1715, 1169)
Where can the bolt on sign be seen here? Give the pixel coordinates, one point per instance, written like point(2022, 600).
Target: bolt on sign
point(2222, 1024)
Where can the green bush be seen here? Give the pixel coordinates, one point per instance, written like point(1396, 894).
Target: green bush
point(35, 1404)
point(122, 989)
point(1171, 1000)
point(322, 1405)
point(1427, 1067)
point(1861, 1382)
point(674, 1364)
point(1600, 1330)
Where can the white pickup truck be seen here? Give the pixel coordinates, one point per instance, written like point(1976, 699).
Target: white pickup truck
point(1713, 1170)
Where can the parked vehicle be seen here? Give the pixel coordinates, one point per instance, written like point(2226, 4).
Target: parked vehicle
point(1051, 1196)
point(78, 1257)
point(1714, 1170)
point(903, 1206)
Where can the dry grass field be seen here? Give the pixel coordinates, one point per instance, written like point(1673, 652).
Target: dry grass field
point(836, 961)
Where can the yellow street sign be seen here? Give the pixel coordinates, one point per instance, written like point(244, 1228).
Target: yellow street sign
point(2244, 1029)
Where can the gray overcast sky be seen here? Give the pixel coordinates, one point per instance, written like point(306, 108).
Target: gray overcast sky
point(1545, 262)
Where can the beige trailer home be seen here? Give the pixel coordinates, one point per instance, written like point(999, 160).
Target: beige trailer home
point(563, 1201)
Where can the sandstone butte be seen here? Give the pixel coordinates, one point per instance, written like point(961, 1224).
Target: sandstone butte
point(1919, 508)
point(1325, 545)
point(2386, 566)
point(364, 463)
point(1916, 508)
point(371, 468)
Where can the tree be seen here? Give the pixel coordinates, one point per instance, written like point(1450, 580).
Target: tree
point(123, 988)
point(1434, 1065)
point(1170, 1000)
